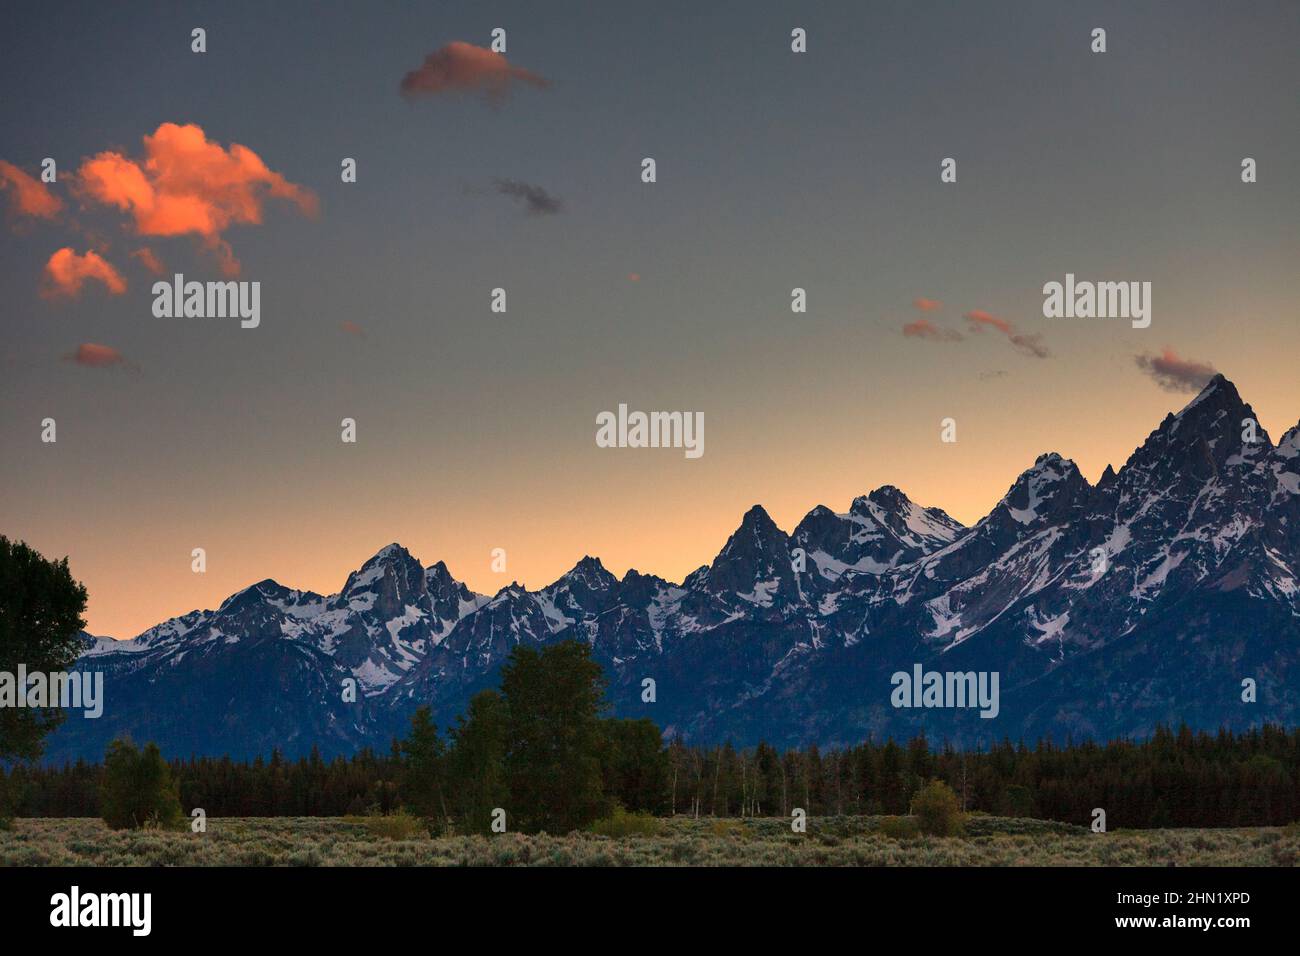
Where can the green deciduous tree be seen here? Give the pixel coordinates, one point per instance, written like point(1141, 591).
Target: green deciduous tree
point(554, 698)
point(40, 622)
point(138, 790)
point(477, 763)
point(937, 810)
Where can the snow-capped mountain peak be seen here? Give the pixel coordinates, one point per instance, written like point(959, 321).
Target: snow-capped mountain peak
point(1180, 571)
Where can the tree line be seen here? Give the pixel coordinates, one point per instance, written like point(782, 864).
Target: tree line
point(1174, 779)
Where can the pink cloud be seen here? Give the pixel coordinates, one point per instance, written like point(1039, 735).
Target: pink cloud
point(465, 68)
point(979, 318)
point(1024, 342)
point(66, 273)
point(149, 259)
point(93, 355)
point(30, 196)
point(927, 305)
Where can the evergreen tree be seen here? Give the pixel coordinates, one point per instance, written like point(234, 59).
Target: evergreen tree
point(423, 770)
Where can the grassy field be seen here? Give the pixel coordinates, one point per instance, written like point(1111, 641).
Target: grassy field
point(831, 841)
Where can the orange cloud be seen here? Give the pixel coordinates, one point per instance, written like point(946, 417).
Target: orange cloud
point(1174, 373)
point(66, 272)
point(188, 185)
point(927, 305)
point(92, 355)
point(925, 329)
point(149, 260)
point(465, 68)
point(1029, 344)
point(351, 328)
point(30, 196)
point(978, 318)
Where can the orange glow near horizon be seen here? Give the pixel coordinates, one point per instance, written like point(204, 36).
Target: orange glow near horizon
point(647, 509)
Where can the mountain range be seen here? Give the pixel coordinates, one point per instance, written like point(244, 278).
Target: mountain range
point(1104, 609)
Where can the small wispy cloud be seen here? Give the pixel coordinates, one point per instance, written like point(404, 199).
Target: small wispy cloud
point(1174, 373)
point(925, 329)
point(1030, 344)
point(536, 200)
point(94, 355)
point(149, 259)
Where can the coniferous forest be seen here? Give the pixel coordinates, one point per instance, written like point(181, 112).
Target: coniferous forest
point(1174, 779)
point(1177, 779)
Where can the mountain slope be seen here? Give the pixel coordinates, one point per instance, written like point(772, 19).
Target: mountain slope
point(1101, 609)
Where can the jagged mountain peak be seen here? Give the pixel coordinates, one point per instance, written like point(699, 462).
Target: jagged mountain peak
point(697, 578)
point(1049, 492)
point(512, 594)
point(754, 564)
point(889, 496)
point(1288, 446)
point(393, 556)
point(449, 597)
point(392, 550)
point(586, 578)
point(757, 518)
point(438, 571)
point(890, 499)
point(1060, 579)
point(386, 583)
point(1286, 469)
point(1217, 411)
point(1218, 392)
point(259, 593)
point(881, 530)
point(592, 573)
point(757, 531)
point(1215, 435)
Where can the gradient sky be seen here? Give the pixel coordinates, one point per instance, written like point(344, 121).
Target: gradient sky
point(476, 430)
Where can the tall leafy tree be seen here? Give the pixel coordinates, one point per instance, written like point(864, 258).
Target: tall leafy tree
point(478, 753)
point(554, 698)
point(41, 609)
